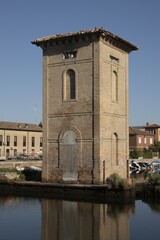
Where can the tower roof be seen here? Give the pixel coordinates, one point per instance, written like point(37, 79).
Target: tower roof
point(97, 33)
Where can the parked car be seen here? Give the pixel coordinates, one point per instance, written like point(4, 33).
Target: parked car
point(155, 163)
point(3, 159)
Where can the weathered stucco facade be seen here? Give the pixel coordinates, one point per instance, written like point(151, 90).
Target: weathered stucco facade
point(85, 106)
point(20, 138)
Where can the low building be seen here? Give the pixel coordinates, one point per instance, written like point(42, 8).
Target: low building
point(20, 138)
point(139, 139)
point(154, 129)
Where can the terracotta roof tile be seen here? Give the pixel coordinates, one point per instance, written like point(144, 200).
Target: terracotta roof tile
point(152, 126)
point(136, 131)
point(20, 126)
point(100, 31)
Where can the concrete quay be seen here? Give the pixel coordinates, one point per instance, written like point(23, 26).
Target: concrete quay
point(98, 193)
point(72, 192)
point(79, 192)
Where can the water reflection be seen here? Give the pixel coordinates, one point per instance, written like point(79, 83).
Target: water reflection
point(144, 223)
point(47, 219)
point(20, 218)
point(63, 220)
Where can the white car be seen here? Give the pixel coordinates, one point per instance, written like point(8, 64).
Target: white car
point(155, 163)
point(3, 159)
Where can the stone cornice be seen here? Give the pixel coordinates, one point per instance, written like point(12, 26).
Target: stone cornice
point(86, 36)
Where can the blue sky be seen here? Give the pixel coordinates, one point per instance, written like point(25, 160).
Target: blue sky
point(22, 21)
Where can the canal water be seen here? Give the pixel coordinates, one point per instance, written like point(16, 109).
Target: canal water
point(48, 219)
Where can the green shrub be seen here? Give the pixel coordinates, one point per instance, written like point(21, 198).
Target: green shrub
point(115, 181)
point(20, 175)
point(154, 179)
point(147, 154)
point(4, 170)
point(136, 153)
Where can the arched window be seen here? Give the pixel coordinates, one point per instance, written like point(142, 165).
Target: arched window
point(69, 87)
point(114, 86)
point(115, 149)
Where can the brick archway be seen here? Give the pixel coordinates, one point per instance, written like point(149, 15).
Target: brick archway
point(70, 153)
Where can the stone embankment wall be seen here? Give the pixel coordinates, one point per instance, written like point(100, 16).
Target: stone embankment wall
point(72, 192)
point(148, 160)
point(8, 174)
point(13, 164)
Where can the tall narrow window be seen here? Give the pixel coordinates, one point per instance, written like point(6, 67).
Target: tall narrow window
point(8, 140)
point(24, 141)
point(7, 152)
point(41, 142)
point(24, 151)
point(33, 141)
point(139, 140)
point(151, 140)
point(114, 86)
point(69, 85)
point(1, 140)
point(115, 149)
point(15, 141)
point(15, 152)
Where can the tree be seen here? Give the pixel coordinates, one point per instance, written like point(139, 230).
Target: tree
point(136, 154)
point(156, 147)
point(40, 124)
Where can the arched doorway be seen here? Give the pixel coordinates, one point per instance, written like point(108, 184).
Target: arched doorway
point(69, 156)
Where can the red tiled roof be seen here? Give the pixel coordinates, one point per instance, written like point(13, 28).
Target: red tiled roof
point(101, 31)
point(20, 126)
point(136, 131)
point(152, 126)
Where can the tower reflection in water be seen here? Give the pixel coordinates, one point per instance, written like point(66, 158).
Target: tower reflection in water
point(64, 220)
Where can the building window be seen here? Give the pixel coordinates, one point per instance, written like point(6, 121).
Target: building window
point(115, 149)
point(41, 141)
point(15, 141)
point(69, 85)
point(33, 141)
point(151, 140)
point(139, 140)
point(8, 140)
point(114, 86)
point(114, 59)
point(145, 140)
point(1, 140)
point(7, 152)
point(70, 54)
point(24, 141)
point(24, 151)
point(15, 152)
point(33, 151)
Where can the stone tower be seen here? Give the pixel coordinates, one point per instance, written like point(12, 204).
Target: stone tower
point(85, 106)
